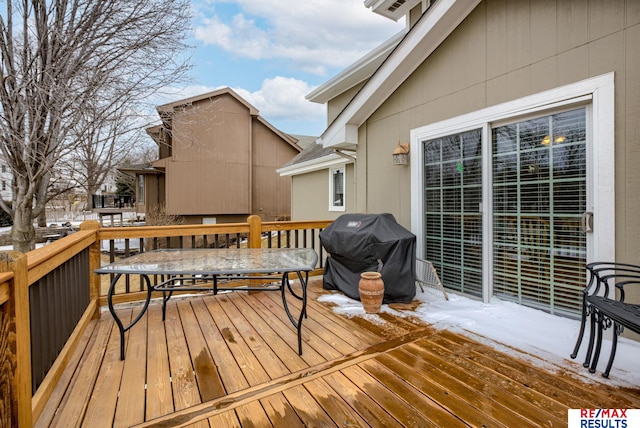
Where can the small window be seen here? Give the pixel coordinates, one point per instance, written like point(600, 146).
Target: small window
point(4, 169)
point(336, 190)
point(140, 188)
point(4, 185)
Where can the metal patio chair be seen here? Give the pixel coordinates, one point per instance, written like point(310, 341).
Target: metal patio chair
point(426, 275)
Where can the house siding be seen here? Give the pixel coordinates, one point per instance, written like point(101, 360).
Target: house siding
point(271, 192)
point(218, 161)
point(502, 51)
point(337, 104)
point(211, 147)
point(311, 195)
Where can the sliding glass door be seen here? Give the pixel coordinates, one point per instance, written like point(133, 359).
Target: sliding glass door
point(539, 196)
point(452, 200)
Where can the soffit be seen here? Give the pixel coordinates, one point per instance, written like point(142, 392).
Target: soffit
point(392, 9)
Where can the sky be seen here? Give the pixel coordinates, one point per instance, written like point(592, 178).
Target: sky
point(273, 53)
point(540, 338)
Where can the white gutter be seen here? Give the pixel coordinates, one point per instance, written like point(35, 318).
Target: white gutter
point(317, 164)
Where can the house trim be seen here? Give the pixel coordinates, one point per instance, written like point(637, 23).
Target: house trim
point(356, 73)
point(332, 183)
point(169, 107)
point(324, 162)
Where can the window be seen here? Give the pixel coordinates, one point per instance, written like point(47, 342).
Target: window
point(336, 190)
point(4, 185)
point(140, 188)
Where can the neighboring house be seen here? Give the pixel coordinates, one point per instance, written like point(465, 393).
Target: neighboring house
point(522, 121)
point(217, 162)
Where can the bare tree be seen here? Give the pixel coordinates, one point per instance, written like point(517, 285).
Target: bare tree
point(65, 60)
point(101, 145)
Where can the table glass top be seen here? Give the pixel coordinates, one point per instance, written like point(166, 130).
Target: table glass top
point(215, 261)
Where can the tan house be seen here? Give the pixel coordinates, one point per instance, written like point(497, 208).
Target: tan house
point(522, 122)
point(217, 162)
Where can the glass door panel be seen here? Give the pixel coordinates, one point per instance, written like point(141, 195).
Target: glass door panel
point(452, 217)
point(539, 195)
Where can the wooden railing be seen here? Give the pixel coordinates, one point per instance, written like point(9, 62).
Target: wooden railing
point(49, 296)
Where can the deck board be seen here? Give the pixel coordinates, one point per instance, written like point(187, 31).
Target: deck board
point(183, 380)
point(254, 372)
point(231, 361)
point(232, 375)
point(456, 390)
point(204, 368)
point(58, 394)
point(103, 401)
point(76, 397)
point(468, 379)
point(131, 401)
point(159, 395)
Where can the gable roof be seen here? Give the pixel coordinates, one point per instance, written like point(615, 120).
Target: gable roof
point(169, 107)
point(166, 111)
point(423, 38)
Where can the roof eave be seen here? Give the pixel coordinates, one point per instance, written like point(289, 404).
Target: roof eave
point(356, 73)
point(289, 139)
point(169, 107)
point(317, 164)
point(392, 9)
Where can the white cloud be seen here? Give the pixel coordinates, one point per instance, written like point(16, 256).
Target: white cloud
point(313, 34)
point(283, 98)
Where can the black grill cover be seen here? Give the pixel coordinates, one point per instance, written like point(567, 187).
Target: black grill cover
point(356, 242)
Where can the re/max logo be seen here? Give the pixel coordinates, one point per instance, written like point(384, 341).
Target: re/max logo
point(603, 418)
point(603, 413)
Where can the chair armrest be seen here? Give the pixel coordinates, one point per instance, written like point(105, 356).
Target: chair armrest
point(600, 273)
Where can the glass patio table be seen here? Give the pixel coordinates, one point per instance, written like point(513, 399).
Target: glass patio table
point(214, 270)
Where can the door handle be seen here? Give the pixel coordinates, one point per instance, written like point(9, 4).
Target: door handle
point(586, 222)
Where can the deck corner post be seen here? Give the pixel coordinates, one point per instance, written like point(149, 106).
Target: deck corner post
point(18, 323)
point(94, 263)
point(255, 231)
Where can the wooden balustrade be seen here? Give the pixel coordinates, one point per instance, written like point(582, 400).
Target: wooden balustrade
point(48, 296)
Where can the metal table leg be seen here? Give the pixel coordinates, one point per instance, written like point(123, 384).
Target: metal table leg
point(121, 327)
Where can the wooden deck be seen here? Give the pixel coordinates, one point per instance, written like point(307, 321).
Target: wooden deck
point(231, 360)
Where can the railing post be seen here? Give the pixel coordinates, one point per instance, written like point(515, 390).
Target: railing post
point(18, 324)
point(255, 231)
point(94, 263)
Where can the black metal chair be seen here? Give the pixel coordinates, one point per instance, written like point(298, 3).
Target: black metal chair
point(596, 286)
point(614, 313)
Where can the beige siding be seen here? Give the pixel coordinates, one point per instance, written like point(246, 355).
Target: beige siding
point(211, 159)
point(153, 191)
point(271, 193)
point(220, 161)
point(506, 50)
point(310, 195)
point(337, 104)
point(212, 130)
point(219, 189)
